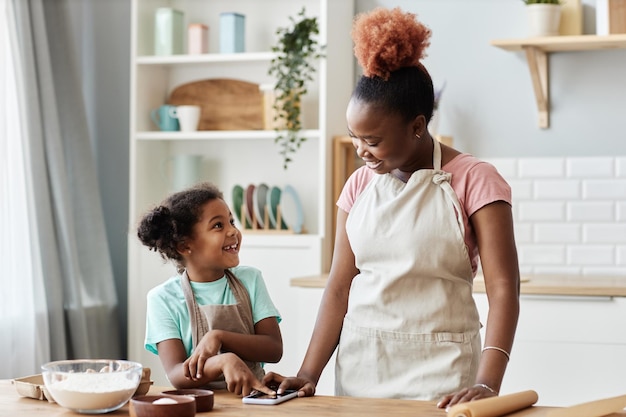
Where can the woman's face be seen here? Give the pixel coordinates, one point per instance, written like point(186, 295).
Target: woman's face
point(382, 139)
point(215, 241)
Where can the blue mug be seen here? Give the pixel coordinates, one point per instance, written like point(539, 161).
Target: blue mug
point(165, 118)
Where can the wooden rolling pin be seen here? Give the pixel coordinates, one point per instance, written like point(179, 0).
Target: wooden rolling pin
point(494, 406)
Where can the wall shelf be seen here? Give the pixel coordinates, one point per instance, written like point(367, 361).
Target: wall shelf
point(219, 135)
point(537, 51)
point(205, 58)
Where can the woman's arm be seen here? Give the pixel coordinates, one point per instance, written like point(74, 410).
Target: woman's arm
point(333, 307)
point(493, 225)
point(498, 254)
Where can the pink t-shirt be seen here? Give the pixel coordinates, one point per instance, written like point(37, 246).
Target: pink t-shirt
point(475, 182)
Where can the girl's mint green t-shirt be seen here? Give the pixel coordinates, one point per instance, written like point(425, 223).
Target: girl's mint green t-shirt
point(167, 316)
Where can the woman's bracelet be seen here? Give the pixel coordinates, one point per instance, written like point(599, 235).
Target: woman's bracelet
point(488, 388)
point(508, 357)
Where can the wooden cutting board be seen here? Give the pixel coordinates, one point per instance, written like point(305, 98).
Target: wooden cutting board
point(227, 104)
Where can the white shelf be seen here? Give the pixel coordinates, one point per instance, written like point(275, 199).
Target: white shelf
point(219, 135)
point(205, 58)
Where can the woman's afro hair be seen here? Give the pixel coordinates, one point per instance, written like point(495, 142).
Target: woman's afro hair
point(387, 40)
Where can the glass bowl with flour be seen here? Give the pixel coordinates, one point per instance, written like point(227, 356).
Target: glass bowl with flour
point(91, 386)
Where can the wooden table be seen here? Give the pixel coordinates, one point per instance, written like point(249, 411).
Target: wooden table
point(227, 404)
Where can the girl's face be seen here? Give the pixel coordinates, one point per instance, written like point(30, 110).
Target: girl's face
point(215, 241)
point(384, 141)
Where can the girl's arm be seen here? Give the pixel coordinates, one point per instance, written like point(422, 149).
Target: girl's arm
point(239, 378)
point(496, 244)
point(265, 345)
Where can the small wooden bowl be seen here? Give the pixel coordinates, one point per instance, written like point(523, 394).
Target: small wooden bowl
point(204, 397)
point(143, 406)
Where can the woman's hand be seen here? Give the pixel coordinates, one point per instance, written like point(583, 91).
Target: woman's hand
point(239, 379)
point(305, 387)
point(466, 394)
point(209, 346)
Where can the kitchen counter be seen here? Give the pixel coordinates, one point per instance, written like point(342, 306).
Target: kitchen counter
point(227, 404)
point(572, 285)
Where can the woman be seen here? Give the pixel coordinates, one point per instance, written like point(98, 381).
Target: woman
point(411, 227)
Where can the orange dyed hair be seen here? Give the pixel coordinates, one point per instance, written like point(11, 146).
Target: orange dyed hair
point(387, 40)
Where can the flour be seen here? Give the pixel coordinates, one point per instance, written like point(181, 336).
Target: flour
point(93, 391)
point(165, 401)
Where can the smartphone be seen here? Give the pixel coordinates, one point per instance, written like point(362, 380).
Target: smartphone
point(263, 398)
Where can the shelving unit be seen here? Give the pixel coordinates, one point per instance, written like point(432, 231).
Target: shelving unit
point(237, 157)
point(537, 52)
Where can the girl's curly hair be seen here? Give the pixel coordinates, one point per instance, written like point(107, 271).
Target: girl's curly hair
point(167, 225)
point(389, 45)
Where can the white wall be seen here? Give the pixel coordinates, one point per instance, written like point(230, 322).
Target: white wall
point(489, 107)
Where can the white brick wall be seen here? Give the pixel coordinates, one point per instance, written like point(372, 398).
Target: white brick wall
point(570, 213)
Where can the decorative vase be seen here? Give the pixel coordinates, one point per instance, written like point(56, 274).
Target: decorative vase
point(571, 18)
point(543, 19)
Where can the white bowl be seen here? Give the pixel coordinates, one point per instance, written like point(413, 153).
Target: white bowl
point(91, 386)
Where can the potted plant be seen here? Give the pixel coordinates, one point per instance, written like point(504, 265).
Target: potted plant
point(296, 50)
point(543, 17)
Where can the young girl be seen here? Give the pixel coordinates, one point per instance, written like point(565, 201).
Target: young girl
point(213, 323)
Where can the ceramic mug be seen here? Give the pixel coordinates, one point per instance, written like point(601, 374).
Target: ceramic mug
point(165, 118)
point(182, 171)
point(188, 117)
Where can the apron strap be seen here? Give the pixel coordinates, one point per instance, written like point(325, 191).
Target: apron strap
point(436, 154)
point(199, 323)
point(443, 180)
point(244, 304)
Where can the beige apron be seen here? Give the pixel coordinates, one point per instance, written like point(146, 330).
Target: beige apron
point(411, 329)
point(235, 318)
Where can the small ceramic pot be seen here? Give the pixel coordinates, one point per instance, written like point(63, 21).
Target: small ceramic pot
point(204, 397)
point(145, 406)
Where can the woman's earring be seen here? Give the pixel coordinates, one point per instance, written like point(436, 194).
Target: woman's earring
point(189, 251)
point(417, 135)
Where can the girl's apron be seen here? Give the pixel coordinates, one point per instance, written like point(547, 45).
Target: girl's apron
point(412, 328)
point(235, 318)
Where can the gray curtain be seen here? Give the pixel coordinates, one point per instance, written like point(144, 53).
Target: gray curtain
point(80, 289)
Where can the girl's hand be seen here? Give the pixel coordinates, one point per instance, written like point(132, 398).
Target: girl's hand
point(305, 387)
point(209, 346)
point(464, 395)
point(239, 379)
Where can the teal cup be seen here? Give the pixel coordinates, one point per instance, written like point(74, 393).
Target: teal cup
point(165, 118)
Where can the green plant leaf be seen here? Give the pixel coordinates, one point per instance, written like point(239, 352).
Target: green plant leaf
point(297, 47)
